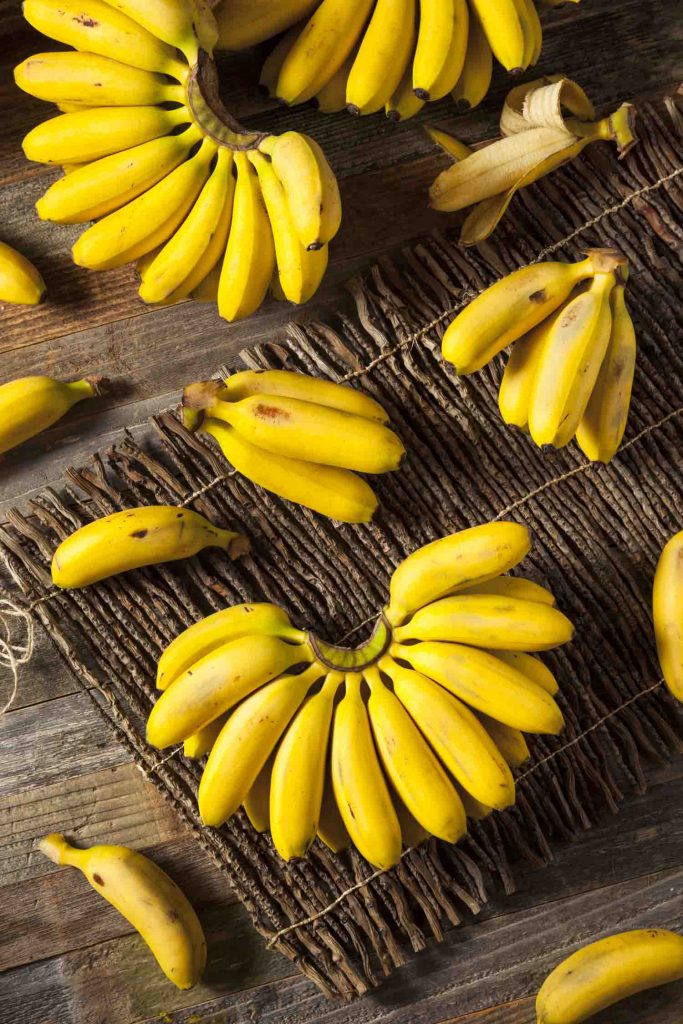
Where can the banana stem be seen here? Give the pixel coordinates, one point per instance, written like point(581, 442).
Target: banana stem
point(372, 676)
point(206, 106)
point(340, 658)
point(59, 851)
point(352, 681)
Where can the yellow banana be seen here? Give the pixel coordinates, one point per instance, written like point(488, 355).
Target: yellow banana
point(441, 47)
point(528, 30)
point(243, 23)
point(332, 492)
point(503, 31)
point(464, 559)
point(667, 610)
point(257, 801)
point(32, 404)
point(148, 899)
point(309, 185)
point(489, 620)
point(202, 741)
point(298, 776)
point(216, 683)
point(133, 538)
point(411, 766)
point(512, 586)
point(404, 104)
point(90, 80)
point(276, 58)
point(331, 98)
point(20, 282)
point(289, 384)
point(412, 832)
point(531, 667)
point(213, 631)
point(249, 260)
point(487, 683)
point(607, 971)
point(331, 829)
point(602, 427)
point(474, 809)
point(517, 383)
point(456, 734)
point(184, 24)
point(386, 48)
point(475, 78)
point(510, 742)
point(246, 741)
point(207, 289)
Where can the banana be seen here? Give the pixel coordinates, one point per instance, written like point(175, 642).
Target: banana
point(213, 631)
point(133, 538)
point(257, 801)
point(489, 620)
point(148, 899)
point(517, 383)
point(536, 30)
point(331, 829)
point(97, 27)
point(249, 260)
point(441, 47)
point(202, 741)
point(272, 65)
point(667, 610)
point(512, 586)
point(383, 56)
point(107, 184)
point(90, 80)
point(404, 104)
point(464, 559)
point(360, 789)
point(332, 492)
point(207, 289)
point(474, 809)
point(531, 667)
point(412, 832)
point(20, 282)
point(298, 776)
point(289, 384)
point(528, 30)
point(216, 683)
point(503, 30)
point(246, 741)
point(475, 78)
point(243, 23)
point(322, 47)
point(310, 187)
point(457, 736)
point(299, 271)
point(510, 742)
point(411, 766)
point(32, 404)
point(183, 24)
point(487, 683)
point(331, 98)
point(148, 221)
point(569, 364)
point(607, 971)
point(602, 427)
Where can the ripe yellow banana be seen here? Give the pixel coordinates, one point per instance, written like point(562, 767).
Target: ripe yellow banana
point(207, 289)
point(463, 559)
point(360, 789)
point(474, 809)
point(456, 734)
point(489, 620)
point(133, 538)
point(602, 427)
point(183, 24)
point(517, 383)
point(32, 404)
point(607, 971)
point(475, 78)
point(249, 260)
point(667, 610)
point(331, 98)
point(289, 384)
point(90, 80)
point(441, 47)
point(510, 742)
point(404, 104)
point(298, 775)
point(148, 899)
point(503, 31)
point(243, 23)
point(531, 667)
point(246, 741)
point(202, 741)
point(276, 58)
point(213, 631)
point(332, 492)
point(487, 683)
point(512, 586)
point(386, 48)
point(331, 829)
point(412, 832)
point(20, 282)
point(216, 683)
point(411, 766)
point(529, 25)
point(257, 801)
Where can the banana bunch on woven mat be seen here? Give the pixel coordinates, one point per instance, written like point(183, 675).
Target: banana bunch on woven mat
point(392, 55)
point(300, 437)
point(205, 207)
point(570, 372)
point(379, 746)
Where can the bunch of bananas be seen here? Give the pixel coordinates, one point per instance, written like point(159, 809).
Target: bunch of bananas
point(206, 207)
point(20, 282)
point(667, 610)
point(396, 55)
point(380, 746)
point(33, 404)
point(299, 437)
point(571, 370)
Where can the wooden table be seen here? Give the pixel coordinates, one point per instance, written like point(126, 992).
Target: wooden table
point(69, 957)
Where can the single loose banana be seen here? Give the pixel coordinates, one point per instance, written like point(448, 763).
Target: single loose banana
point(667, 609)
point(20, 282)
point(32, 404)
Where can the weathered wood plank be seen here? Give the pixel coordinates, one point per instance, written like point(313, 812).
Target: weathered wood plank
point(43, 678)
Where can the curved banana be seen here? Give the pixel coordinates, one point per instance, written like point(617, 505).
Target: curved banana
point(607, 971)
point(20, 282)
point(201, 742)
point(404, 104)
point(243, 23)
point(603, 423)
point(503, 30)
point(32, 404)
point(510, 742)
point(463, 559)
point(90, 80)
point(360, 789)
point(517, 383)
point(531, 667)
point(216, 683)
point(411, 766)
point(246, 741)
point(298, 776)
point(148, 899)
point(456, 734)
point(441, 47)
point(477, 69)
point(512, 586)
point(383, 56)
point(487, 683)
point(667, 610)
point(183, 24)
point(289, 384)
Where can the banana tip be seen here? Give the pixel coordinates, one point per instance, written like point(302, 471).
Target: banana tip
point(353, 109)
point(238, 546)
point(422, 94)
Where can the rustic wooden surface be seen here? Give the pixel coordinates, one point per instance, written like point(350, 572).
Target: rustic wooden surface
point(69, 958)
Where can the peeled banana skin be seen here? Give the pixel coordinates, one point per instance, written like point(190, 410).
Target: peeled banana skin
point(33, 404)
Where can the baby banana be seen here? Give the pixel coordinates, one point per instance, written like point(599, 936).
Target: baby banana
point(20, 282)
point(32, 404)
point(133, 538)
point(90, 80)
point(331, 829)
point(510, 742)
point(288, 384)
point(531, 667)
point(385, 52)
point(147, 898)
point(243, 23)
point(503, 30)
point(518, 378)
point(475, 78)
point(257, 801)
point(202, 741)
point(667, 608)
point(605, 972)
point(441, 47)
point(512, 586)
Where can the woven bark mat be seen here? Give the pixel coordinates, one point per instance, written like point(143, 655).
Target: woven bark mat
point(597, 531)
